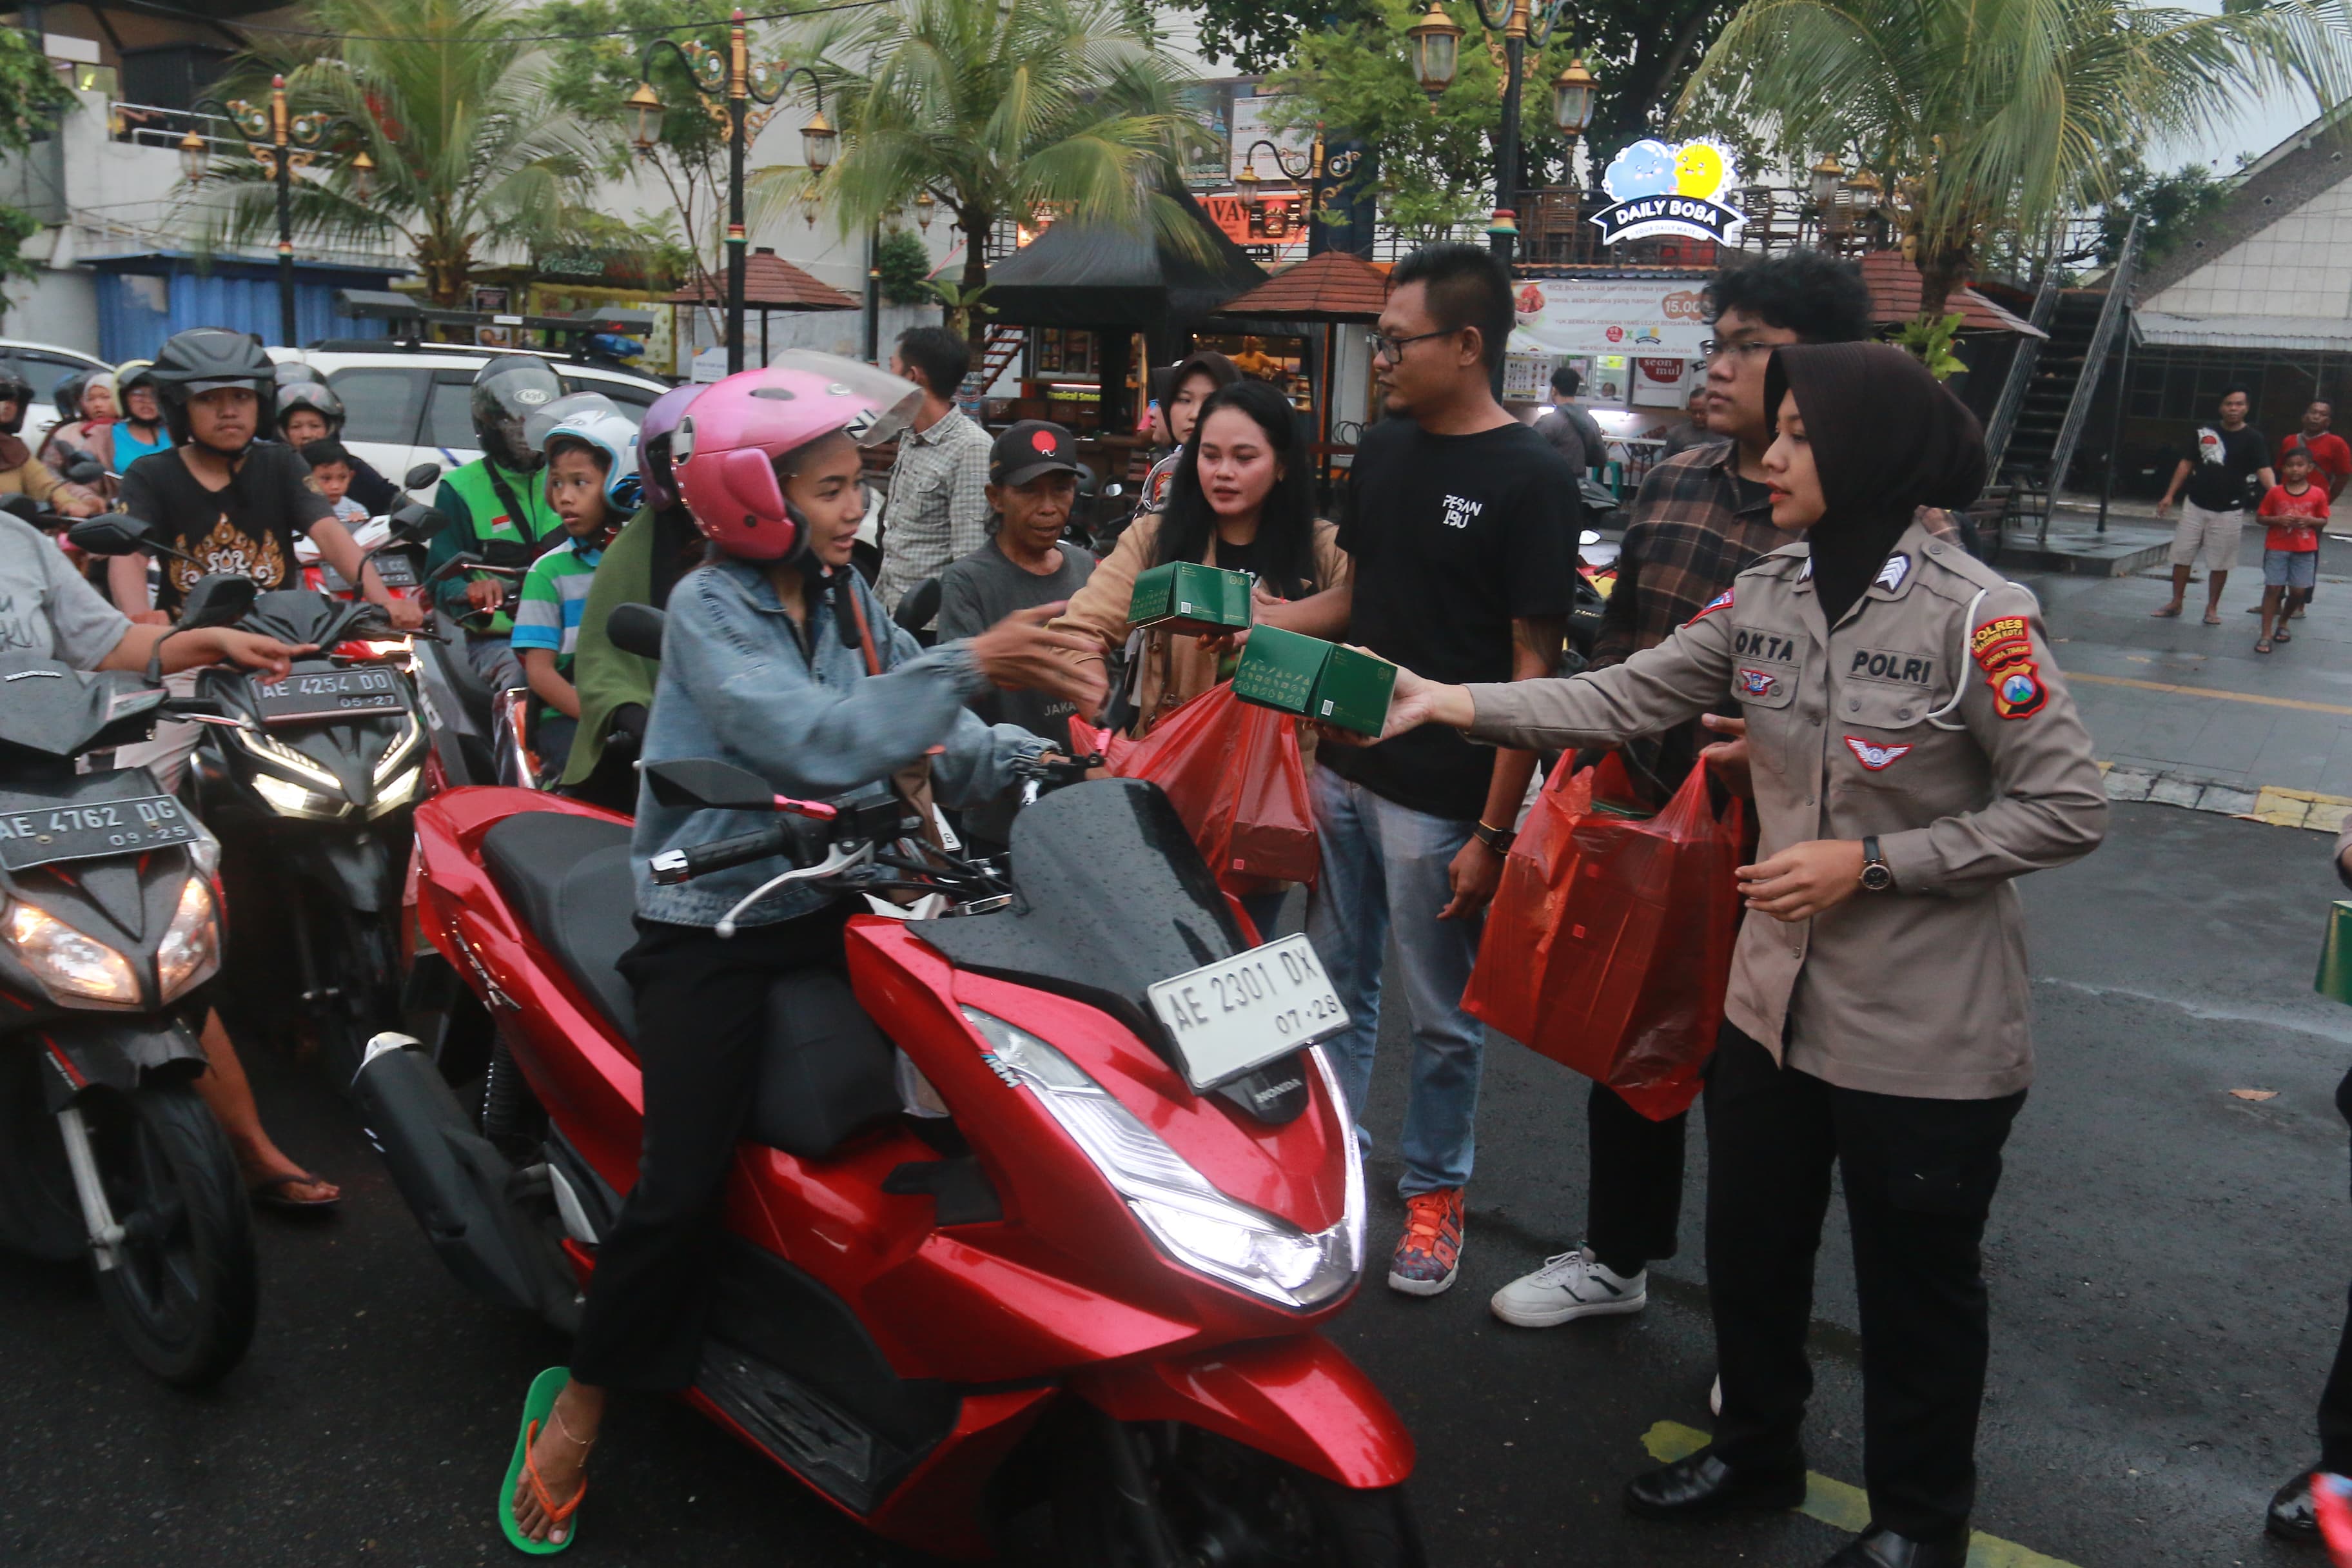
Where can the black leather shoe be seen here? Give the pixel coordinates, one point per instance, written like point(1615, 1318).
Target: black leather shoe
point(2290, 1516)
point(1878, 1548)
point(1703, 1485)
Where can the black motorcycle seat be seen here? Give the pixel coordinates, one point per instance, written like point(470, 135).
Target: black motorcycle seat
point(826, 1073)
point(568, 877)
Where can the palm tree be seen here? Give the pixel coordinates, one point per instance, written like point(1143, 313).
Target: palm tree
point(1993, 116)
point(470, 148)
point(1000, 111)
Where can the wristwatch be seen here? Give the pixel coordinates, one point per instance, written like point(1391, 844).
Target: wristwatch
point(1498, 839)
point(1876, 878)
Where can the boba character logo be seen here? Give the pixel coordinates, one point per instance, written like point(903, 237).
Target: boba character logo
point(1660, 188)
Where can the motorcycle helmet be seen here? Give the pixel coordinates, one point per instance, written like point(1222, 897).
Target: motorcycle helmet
point(659, 480)
point(291, 371)
point(65, 397)
point(593, 420)
point(726, 445)
point(507, 392)
point(14, 389)
point(100, 381)
point(314, 397)
point(206, 359)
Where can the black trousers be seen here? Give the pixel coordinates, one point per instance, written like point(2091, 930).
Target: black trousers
point(1919, 1176)
point(2335, 1399)
point(701, 1023)
point(1634, 1197)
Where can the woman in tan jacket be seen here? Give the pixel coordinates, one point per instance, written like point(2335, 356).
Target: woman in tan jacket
point(1242, 500)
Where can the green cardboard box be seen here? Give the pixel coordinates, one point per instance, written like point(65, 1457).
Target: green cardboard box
point(1315, 679)
point(1186, 597)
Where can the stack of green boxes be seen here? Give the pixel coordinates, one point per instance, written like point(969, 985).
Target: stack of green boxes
point(1186, 596)
point(1315, 679)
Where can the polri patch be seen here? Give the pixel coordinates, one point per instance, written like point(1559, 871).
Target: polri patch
point(1892, 666)
point(2017, 692)
point(1874, 756)
point(2003, 640)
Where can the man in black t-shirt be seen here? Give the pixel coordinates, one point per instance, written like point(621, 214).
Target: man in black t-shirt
point(2223, 459)
point(1459, 522)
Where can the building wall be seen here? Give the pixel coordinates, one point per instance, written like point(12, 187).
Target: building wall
point(59, 307)
point(2301, 265)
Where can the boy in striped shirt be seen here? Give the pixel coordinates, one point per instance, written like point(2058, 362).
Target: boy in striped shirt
point(583, 486)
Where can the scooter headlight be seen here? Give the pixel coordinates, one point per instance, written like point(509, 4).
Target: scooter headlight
point(290, 799)
point(268, 747)
point(1178, 1208)
point(72, 967)
point(190, 952)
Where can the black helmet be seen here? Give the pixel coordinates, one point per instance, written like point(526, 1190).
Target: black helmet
point(206, 359)
point(290, 370)
point(507, 391)
point(131, 375)
point(15, 389)
point(66, 396)
point(319, 398)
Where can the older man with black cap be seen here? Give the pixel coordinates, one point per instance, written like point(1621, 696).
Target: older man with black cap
point(1032, 481)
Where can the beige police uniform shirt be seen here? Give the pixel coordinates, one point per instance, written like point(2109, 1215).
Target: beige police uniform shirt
point(1931, 716)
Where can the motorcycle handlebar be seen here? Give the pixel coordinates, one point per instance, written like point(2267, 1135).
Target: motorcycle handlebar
point(674, 865)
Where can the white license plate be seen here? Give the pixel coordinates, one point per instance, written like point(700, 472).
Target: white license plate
point(1232, 1017)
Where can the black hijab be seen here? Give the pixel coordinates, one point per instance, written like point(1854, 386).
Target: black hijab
point(1887, 439)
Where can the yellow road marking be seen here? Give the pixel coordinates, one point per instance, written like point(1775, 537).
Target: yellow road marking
point(1846, 1506)
point(2074, 676)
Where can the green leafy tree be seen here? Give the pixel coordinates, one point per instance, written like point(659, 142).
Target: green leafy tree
point(1985, 117)
point(2169, 206)
point(1050, 107)
point(470, 147)
point(905, 264)
point(1642, 51)
point(1436, 163)
point(31, 99)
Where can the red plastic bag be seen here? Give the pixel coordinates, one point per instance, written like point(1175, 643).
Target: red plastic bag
point(1235, 774)
point(1608, 947)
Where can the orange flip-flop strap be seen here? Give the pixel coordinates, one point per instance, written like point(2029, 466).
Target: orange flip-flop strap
point(539, 1491)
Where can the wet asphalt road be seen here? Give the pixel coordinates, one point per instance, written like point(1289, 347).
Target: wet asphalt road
point(2168, 1265)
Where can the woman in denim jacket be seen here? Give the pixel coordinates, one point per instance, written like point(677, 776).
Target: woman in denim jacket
point(757, 671)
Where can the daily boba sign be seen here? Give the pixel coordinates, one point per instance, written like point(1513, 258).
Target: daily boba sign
point(1670, 188)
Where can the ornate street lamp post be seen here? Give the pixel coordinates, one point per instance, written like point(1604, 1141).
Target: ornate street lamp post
point(728, 86)
point(280, 141)
point(1436, 44)
point(1308, 174)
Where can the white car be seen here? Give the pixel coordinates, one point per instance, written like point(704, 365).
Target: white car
point(43, 366)
point(408, 405)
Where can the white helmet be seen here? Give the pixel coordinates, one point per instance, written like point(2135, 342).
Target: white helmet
point(595, 420)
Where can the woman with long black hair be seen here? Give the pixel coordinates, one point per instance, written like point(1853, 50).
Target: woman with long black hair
point(1913, 751)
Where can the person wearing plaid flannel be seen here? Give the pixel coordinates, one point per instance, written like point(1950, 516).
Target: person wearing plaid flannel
point(938, 486)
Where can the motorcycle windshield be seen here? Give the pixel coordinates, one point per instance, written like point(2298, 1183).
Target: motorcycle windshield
point(52, 712)
point(1112, 896)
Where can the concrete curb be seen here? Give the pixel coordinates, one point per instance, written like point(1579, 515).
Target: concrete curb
point(2268, 802)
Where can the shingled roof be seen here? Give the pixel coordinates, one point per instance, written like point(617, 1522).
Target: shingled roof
point(2315, 160)
point(769, 283)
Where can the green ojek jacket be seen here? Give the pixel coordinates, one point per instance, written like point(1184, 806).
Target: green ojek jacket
point(477, 516)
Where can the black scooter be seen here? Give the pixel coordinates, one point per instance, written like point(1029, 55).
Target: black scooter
point(110, 931)
point(310, 781)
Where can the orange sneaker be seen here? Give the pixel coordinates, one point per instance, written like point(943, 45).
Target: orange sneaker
point(1429, 1254)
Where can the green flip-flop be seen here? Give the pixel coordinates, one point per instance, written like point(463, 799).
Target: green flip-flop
point(535, 1407)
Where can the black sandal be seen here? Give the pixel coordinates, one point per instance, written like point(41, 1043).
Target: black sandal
point(271, 1195)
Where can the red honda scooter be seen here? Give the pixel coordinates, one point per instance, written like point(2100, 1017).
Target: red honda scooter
point(1038, 1211)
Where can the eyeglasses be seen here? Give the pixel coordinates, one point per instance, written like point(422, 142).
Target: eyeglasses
point(1716, 348)
point(1389, 348)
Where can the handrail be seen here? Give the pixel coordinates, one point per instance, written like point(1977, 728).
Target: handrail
point(2021, 370)
point(2094, 362)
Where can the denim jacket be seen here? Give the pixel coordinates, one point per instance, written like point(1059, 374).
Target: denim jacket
point(736, 686)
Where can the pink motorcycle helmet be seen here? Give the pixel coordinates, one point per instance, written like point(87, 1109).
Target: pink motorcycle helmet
point(725, 449)
point(653, 445)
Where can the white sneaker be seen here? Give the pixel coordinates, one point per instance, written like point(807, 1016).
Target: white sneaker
point(1572, 1286)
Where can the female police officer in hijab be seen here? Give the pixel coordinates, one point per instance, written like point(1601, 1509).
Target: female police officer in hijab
point(1913, 751)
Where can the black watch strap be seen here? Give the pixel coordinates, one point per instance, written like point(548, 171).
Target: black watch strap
point(1498, 839)
point(1876, 875)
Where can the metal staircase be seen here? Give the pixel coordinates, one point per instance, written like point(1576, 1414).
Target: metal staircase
point(2065, 376)
point(1002, 347)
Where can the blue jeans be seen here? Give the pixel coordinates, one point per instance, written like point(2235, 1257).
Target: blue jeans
point(1384, 869)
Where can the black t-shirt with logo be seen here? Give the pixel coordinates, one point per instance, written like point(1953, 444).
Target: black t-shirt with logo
point(2221, 462)
point(1453, 538)
point(246, 529)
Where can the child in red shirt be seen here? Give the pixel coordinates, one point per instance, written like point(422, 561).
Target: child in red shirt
point(2297, 508)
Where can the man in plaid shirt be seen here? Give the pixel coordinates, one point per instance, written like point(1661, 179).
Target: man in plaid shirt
point(1702, 518)
point(938, 486)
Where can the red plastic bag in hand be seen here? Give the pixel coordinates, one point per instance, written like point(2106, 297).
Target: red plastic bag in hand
point(1235, 774)
point(1608, 947)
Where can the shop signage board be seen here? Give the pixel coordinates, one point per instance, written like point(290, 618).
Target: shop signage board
point(1560, 317)
point(1670, 188)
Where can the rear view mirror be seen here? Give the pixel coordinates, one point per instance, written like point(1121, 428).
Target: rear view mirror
point(22, 505)
point(115, 533)
point(84, 471)
point(417, 478)
point(637, 629)
point(707, 782)
point(218, 599)
point(414, 524)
